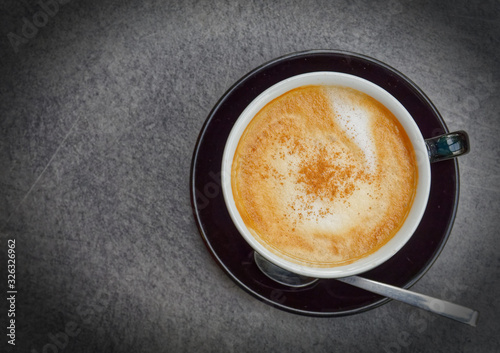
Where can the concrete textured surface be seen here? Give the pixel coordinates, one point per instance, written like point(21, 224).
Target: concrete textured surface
point(101, 103)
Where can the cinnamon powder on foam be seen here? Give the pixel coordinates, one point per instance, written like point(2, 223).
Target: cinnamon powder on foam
point(293, 167)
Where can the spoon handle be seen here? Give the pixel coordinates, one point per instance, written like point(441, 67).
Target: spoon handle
point(437, 306)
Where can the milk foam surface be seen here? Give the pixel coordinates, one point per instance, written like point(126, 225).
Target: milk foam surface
point(323, 175)
point(355, 120)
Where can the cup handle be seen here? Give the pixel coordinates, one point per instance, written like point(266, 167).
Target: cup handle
point(447, 146)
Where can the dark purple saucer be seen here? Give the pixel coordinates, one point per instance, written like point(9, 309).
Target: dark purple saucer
point(235, 256)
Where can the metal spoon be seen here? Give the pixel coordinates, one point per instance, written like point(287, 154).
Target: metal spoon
point(437, 306)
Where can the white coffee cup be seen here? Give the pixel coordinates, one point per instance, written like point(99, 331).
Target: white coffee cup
point(425, 152)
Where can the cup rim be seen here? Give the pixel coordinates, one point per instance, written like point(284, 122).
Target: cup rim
point(421, 194)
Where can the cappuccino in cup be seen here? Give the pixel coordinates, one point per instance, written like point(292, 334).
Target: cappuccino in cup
point(326, 174)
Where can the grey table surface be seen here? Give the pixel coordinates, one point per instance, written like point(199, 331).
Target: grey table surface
point(101, 103)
